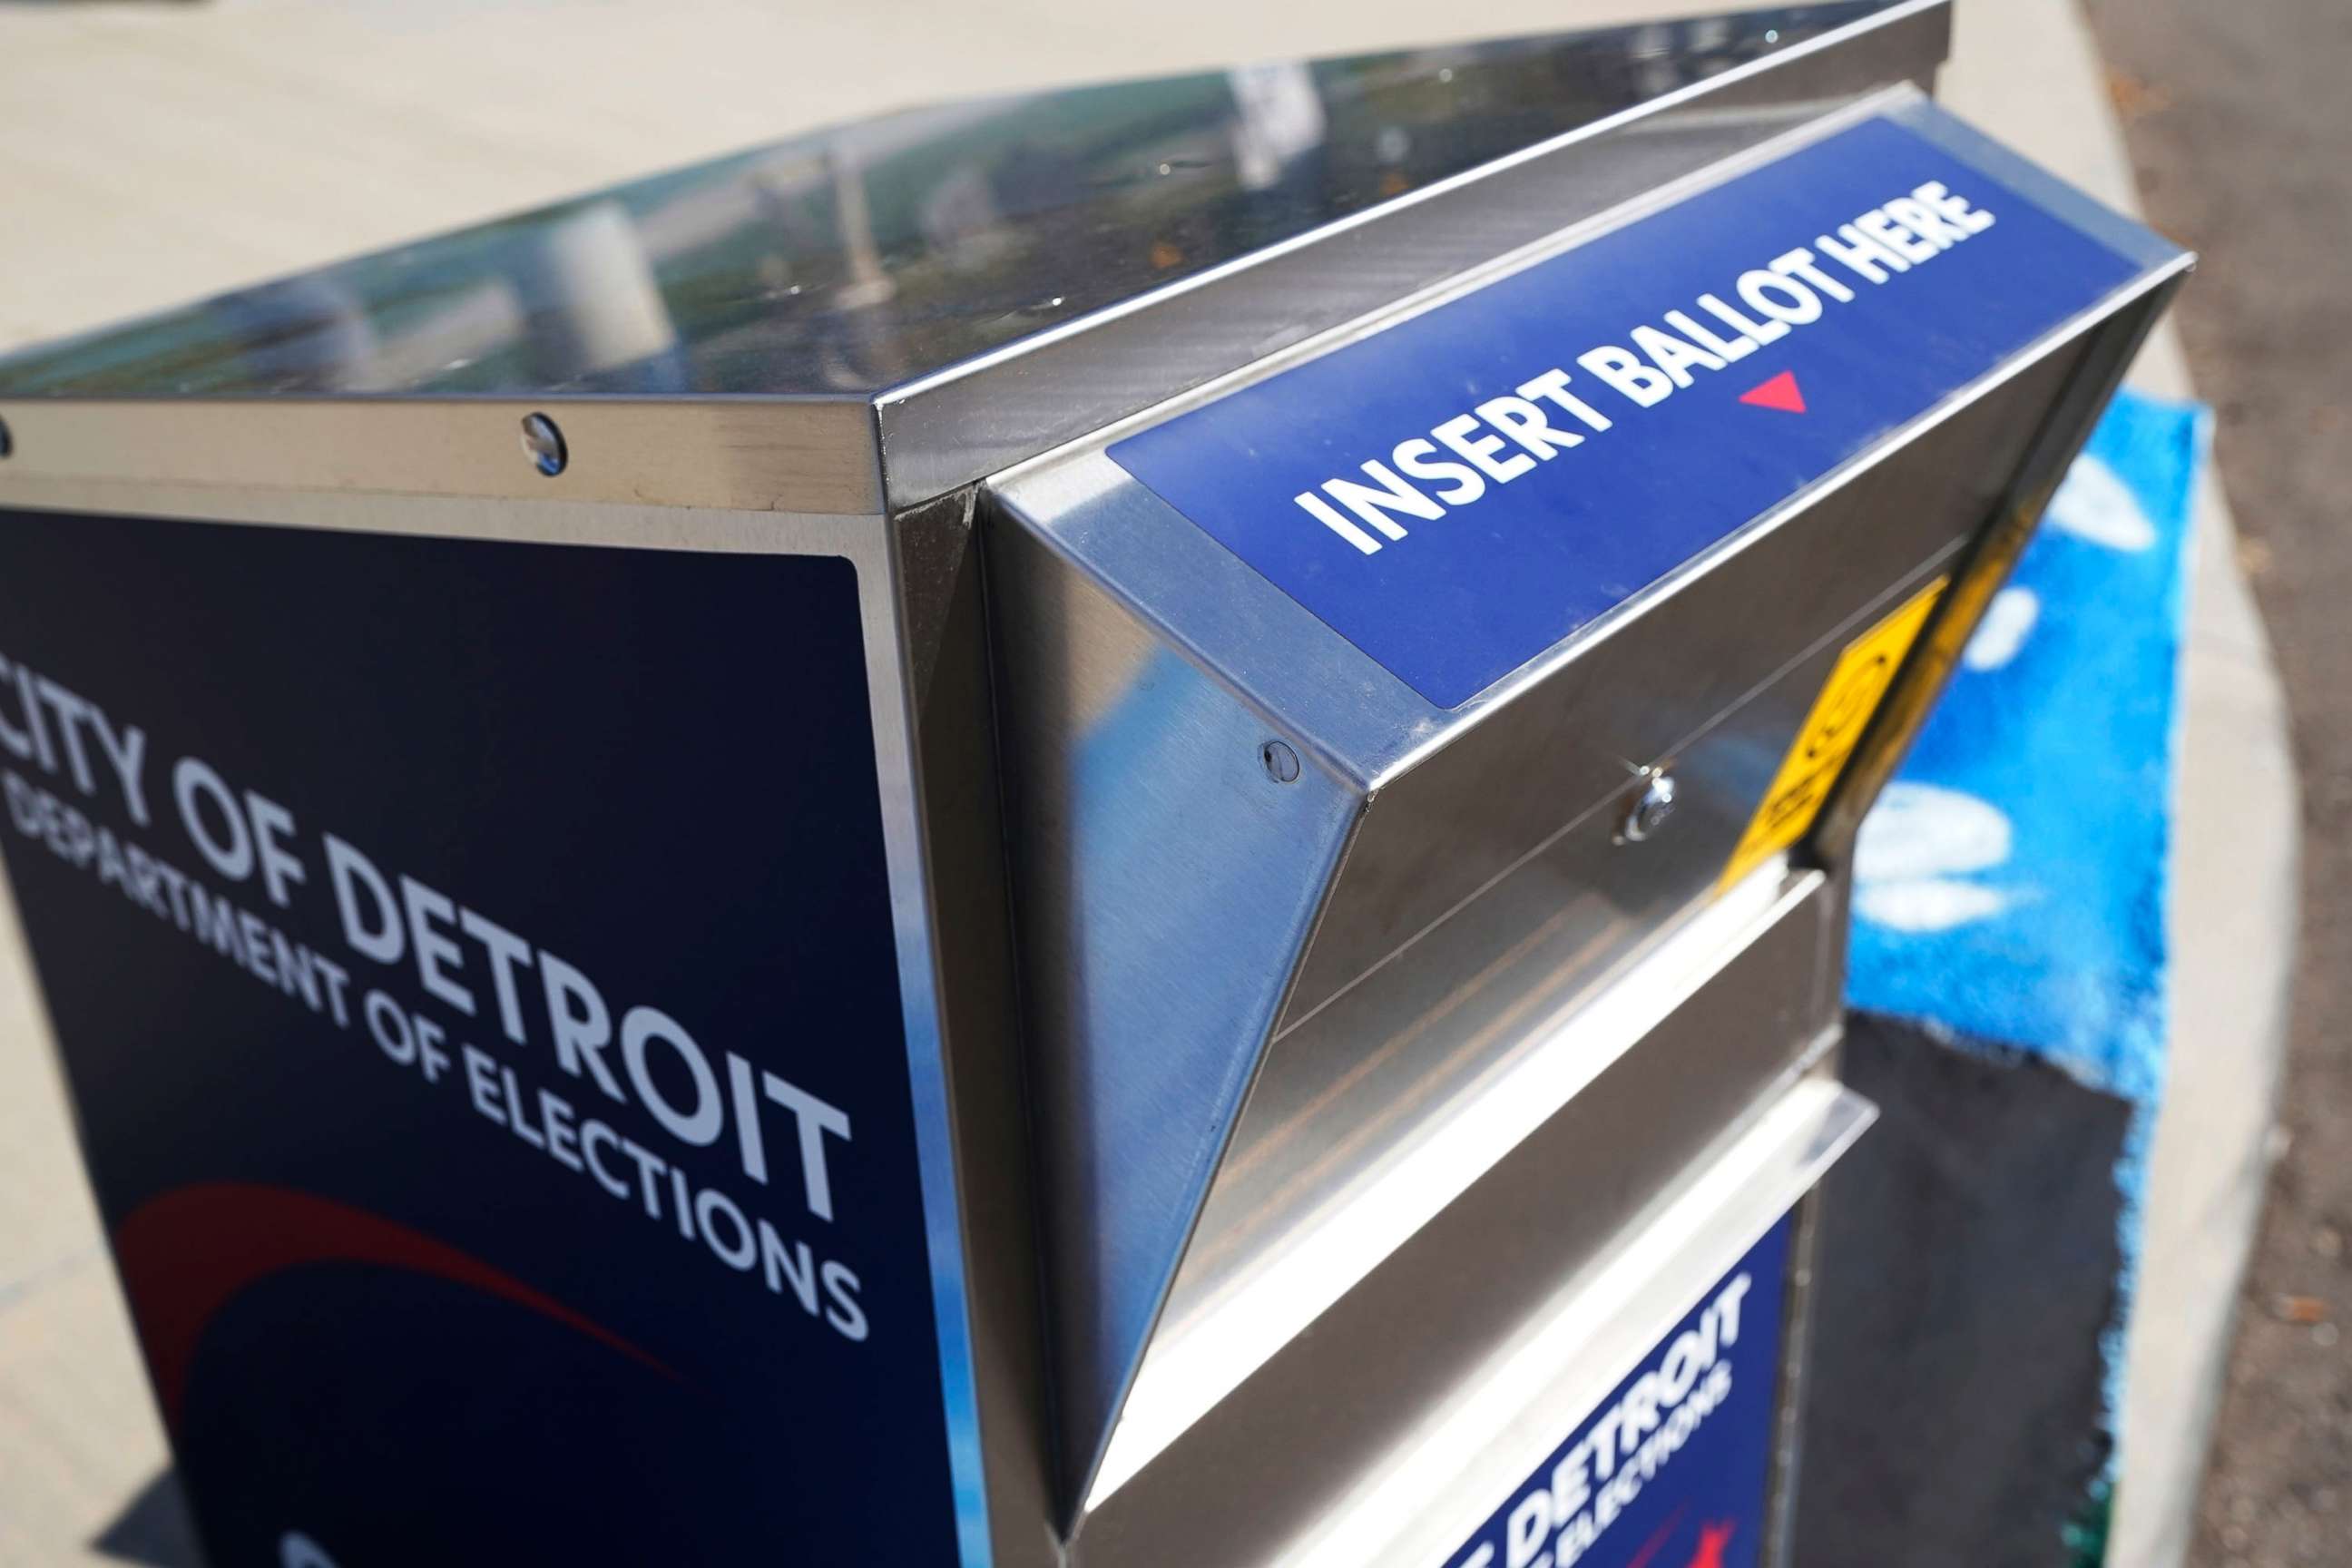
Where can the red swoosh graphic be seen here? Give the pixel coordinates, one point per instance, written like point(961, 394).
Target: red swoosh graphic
point(1650, 1549)
point(185, 1254)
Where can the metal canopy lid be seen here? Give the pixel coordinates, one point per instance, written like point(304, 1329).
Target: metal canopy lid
point(990, 279)
point(1214, 1070)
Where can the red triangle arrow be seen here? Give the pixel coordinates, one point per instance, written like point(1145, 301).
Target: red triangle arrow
point(1779, 393)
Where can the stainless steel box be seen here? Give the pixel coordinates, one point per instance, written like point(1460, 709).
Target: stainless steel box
point(1128, 998)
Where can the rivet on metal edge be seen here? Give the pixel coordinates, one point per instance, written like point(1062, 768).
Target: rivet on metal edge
point(1651, 807)
point(1281, 762)
point(543, 443)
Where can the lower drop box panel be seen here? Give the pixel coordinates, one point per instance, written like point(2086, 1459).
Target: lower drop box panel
point(1423, 1396)
point(1677, 1464)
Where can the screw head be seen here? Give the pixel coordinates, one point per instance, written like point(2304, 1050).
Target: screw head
point(1651, 807)
point(543, 443)
point(1281, 762)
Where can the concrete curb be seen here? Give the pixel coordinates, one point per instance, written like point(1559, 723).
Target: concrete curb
point(2028, 72)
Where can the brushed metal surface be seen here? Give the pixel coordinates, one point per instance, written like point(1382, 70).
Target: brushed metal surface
point(967, 421)
point(1546, 1025)
point(1163, 884)
point(1339, 1090)
point(942, 620)
point(1350, 1401)
point(866, 256)
point(894, 309)
point(804, 456)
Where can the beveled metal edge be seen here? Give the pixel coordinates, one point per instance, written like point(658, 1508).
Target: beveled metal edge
point(1787, 1458)
point(969, 420)
point(1471, 1454)
point(1041, 727)
point(1184, 1372)
point(796, 455)
point(916, 917)
point(867, 544)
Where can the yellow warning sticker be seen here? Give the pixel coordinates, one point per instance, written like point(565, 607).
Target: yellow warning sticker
point(1830, 733)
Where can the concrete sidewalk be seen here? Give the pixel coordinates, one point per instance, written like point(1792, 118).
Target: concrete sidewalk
point(154, 154)
point(2029, 72)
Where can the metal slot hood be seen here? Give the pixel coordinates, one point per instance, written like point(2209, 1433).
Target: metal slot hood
point(1299, 857)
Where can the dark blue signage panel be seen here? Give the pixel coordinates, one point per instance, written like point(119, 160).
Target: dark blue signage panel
point(474, 969)
point(1460, 491)
point(1672, 1470)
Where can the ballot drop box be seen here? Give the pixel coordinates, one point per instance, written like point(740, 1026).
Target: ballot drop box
point(1101, 828)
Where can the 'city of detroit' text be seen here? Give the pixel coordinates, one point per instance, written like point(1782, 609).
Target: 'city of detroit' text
point(1506, 438)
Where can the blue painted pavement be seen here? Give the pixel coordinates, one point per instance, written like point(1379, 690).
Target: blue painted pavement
point(2012, 883)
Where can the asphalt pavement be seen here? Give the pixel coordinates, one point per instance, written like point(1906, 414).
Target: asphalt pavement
point(2241, 135)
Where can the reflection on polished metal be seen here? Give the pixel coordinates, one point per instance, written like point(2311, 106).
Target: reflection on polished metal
point(543, 443)
point(1326, 1076)
point(1651, 805)
point(984, 280)
point(1281, 762)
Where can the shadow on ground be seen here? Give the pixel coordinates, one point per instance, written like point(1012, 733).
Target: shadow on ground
point(154, 1530)
point(2235, 117)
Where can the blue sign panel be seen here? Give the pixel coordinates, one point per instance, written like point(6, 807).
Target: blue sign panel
point(1672, 1470)
point(474, 967)
point(1456, 494)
